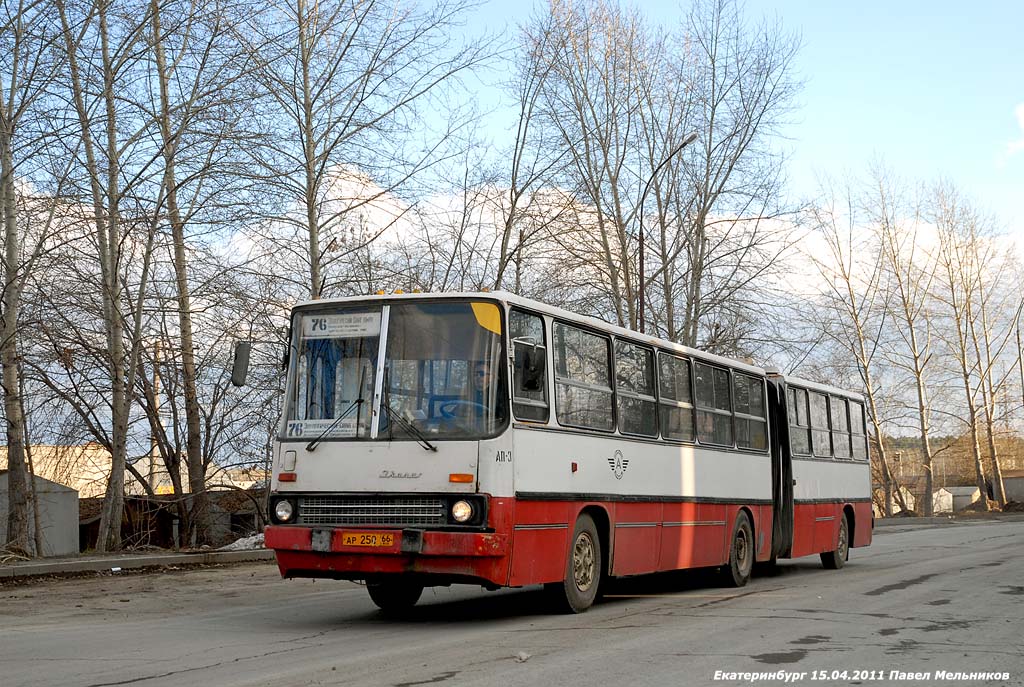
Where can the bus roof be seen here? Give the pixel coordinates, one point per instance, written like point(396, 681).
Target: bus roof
point(823, 388)
point(560, 313)
point(593, 322)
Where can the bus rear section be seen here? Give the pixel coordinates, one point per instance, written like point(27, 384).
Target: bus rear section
point(823, 480)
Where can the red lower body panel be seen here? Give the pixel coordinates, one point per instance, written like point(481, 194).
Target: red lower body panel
point(528, 541)
point(816, 526)
point(454, 555)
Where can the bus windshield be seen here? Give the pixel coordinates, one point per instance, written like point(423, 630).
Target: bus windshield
point(442, 375)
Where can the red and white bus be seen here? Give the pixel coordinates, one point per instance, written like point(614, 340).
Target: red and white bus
point(484, 438)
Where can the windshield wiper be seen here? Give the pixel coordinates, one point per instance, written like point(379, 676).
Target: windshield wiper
point(410, 428)
point(395, 416)
point(311, 446)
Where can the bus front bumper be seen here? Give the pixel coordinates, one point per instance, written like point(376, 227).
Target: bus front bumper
point(441, 557)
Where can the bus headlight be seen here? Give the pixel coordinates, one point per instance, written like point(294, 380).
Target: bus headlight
point(284, 510)
point(462, 511)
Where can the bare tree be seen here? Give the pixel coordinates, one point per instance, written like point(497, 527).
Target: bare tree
point(989, 344)
point(28, 67)
point(856, 293)
point(623, 99)
point(591, 98)
point(199, 99)
point(345, 79)
point(957, 227)
point(744, 85)
point(100, 46)
point(911, 273)
point(534, 157)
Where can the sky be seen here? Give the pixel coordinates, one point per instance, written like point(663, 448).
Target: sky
point(933, 90)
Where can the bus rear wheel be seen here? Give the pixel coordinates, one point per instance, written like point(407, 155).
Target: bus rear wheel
point(393, 597)
point(741, 553)
point(834, 560)
point(576, 593)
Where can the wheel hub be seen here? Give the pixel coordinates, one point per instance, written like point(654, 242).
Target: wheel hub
point(583, 562)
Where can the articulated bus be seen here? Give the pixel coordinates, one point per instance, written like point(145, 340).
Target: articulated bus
point(484, 438)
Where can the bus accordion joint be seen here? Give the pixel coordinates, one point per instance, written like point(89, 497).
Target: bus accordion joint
point(460, 477)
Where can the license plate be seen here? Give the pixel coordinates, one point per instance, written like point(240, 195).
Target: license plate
point(367, 539)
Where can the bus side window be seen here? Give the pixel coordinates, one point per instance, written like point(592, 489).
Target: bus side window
point(860, 446)
point(840, 427)
point(714, 405)
point(819, 425)
point(634, 387)
point(675, 399)
point(529, 366)
point(799, 424)
point(583, 385)
point(751, 416)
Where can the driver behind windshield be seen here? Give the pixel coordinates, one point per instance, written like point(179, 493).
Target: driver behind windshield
point(487, 391)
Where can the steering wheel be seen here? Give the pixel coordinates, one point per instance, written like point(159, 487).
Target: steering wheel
point(449, 409)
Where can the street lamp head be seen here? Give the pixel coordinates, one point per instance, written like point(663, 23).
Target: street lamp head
point(687, 140)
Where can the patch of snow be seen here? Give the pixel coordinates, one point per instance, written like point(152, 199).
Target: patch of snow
point(245, 544)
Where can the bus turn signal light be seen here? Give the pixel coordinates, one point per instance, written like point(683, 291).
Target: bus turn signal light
point(286, 477)
point(463, 477)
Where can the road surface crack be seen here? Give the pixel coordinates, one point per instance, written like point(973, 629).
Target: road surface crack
point(437, 678)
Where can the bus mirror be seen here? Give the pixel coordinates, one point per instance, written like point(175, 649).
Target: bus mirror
point(240, 366)
point(286, 358)
point(530, 361)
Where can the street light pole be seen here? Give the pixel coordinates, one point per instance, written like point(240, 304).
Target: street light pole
point(690, 138)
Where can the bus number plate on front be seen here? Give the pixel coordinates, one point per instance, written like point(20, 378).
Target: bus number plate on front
point(367, 539)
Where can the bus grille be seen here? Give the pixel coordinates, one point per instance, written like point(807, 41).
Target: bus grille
point(358, 510)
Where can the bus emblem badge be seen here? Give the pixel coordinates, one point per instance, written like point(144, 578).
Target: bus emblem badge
point(618, 464)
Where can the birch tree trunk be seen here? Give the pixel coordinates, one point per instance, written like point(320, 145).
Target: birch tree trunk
point(17, 475)
point(200, 515)
point(960, 272)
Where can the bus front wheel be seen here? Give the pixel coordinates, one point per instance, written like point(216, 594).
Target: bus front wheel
point(741, 553)
point(833, 560)
point(576, 593)
point(394, 596)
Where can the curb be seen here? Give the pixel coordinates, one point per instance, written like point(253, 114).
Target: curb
point(31, 568)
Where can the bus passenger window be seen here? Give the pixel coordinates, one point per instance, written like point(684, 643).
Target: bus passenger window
point(675, 399)
point(840, 427)
point(751, 417)
point(583, 389)
point(799, 423)
point(819, 425)
point(529, 367)
point(634, 387)
point(714, 405)
point(860, 446)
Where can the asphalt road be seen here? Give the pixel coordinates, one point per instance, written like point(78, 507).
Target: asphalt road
point(920, 599)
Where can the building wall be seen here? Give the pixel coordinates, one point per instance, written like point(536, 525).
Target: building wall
point(942, 502)
point(58, 517)
point(962, 501)
point(1014, 487)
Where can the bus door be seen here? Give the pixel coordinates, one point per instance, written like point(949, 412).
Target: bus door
point(782, 470)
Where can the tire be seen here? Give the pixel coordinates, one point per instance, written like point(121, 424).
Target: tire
point(834, 560)
point(736, 572)
point(394, 597)
point(583, 570)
